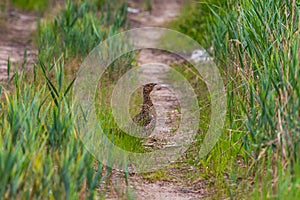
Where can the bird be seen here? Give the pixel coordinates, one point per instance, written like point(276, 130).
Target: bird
point(147, 115)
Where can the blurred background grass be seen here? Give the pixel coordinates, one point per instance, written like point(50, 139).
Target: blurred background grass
point(36, 5)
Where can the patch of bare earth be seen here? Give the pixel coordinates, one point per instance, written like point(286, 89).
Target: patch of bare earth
point(175, 184)
point(16, 32)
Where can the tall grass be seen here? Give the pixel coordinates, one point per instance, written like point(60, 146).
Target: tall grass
point(79, 27)
point(226, 163)
point(41, 154)
point(257, 44)
point(256, 48)
point(195, 18)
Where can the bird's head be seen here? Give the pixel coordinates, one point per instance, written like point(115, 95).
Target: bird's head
point(148, 88)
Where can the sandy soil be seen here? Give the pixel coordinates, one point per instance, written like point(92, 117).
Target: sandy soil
point(16, 33)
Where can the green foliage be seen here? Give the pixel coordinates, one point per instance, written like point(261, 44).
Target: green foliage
point(117, 136)
point(80, 27)
point(256, 46)
point(147, 6)
point(41, 155)
point(36, 5)
point(256, 43)
point(195, 20)
point(266, 60)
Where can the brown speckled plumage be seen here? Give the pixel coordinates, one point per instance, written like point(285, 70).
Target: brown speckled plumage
point(146, 114)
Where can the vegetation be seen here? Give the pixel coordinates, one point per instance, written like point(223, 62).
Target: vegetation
point(38, 140)
point(256, 48)
point(79, 28)
point(36, 5)
point(38, 145)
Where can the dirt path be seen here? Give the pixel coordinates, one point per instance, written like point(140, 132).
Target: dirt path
point(16, 33)
point(159, 188)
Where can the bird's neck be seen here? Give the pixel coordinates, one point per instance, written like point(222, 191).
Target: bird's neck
point(147, 100)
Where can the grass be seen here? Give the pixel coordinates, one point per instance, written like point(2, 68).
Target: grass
point(194, 20)
point(224, 168)
point(3, 14)
point(147, 5)
point(259, 148)
point(260, 68)
point(70, 36)
point(226, 164)
point(79, 28)
point(36, 5)
point(38, 140)
point(38, 145)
